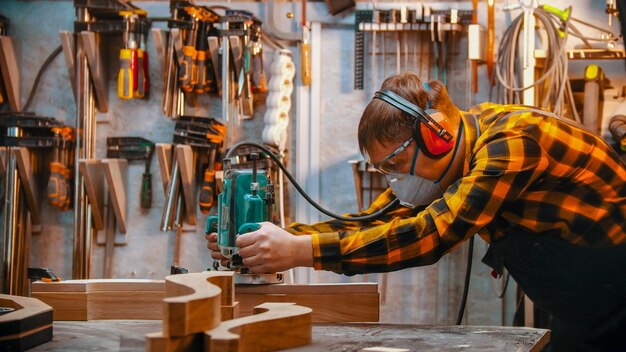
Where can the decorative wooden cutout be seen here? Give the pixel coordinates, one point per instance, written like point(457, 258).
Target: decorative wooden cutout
point(193, 301)
point(29, 325)
point(273, 326)
point(191, 313)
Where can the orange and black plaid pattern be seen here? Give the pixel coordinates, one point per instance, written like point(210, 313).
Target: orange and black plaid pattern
point(525, 172)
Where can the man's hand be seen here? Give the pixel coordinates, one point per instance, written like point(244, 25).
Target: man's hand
point(271, 249)
point(215, 251)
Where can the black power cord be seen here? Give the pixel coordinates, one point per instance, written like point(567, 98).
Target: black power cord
point(468, 274)
point(261, 147)
point(42, 69)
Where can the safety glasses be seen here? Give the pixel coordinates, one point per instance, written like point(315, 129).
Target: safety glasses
point(387, 165)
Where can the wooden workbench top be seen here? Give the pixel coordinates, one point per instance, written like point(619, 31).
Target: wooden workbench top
point(127, 335)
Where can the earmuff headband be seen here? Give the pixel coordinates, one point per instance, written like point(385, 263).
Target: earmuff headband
point(406, 106)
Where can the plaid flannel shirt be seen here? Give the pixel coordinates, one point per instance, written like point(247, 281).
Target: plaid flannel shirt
point(523, 171)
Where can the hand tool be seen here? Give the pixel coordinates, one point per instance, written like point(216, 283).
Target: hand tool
point(188, 70)
point(55, 177)
point(202, 86)
point(143, 84)
point(207, 188)
point(491, 39)
point(617, 127)
point(133, 149)
point(125, 84)
point(246, 200)
point(361, 18)
point(305, 50)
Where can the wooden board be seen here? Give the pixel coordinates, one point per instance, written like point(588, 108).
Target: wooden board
point(164, 157)
point(10, 73)
point(355, 302)
point(274, 326)
point(29, 325)
point(116, 172)
point(92, 173)
point(184, 155)
point(102, 299)
point(22, 159)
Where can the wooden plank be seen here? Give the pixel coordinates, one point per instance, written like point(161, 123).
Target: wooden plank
point(10, 73)
point(92, 285)
point(94, 177)
point(184, 155)
point(157, 341)
point(22, 159)
point(125, 305)
point(331, 288)
point(103, 299)
point(116, 172)
point(327, 307)
point(66, 305)
point(193, 302)
point(164, 157)
point(29, 325)
point(274, 326)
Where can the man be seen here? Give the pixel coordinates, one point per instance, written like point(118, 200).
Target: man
point(548, 196)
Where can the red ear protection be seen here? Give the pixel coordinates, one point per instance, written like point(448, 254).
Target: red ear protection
point(432, 144)
point(431, 126)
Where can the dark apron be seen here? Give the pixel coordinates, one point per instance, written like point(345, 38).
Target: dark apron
point(583, 289)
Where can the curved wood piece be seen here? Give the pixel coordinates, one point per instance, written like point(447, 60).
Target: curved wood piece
point(273, 326)
point(193, 301)
point(29, 325)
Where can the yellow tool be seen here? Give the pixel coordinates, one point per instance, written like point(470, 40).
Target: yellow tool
point(188, 70)
point(207, 189)
point(202, 85)
point(125, 84)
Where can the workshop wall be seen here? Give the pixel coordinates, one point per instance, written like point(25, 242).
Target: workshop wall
point(428, 295)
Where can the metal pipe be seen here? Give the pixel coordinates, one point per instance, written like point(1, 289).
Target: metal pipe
point(170, 197)
point(85, 149)
point(10, 255)
point(225, 50)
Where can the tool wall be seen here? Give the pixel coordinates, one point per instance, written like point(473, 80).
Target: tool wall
point(421, 295)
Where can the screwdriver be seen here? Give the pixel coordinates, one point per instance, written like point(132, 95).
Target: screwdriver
point(205, 199)
point(146, 180)
point(201, 55)
point(125, 76)
point(64, 194)
point(54, 182)
point(188, 72)
point(141, 86)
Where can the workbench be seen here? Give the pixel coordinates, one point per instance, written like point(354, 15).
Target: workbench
point(128, 335)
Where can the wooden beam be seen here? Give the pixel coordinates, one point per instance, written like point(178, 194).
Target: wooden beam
point(29, 325)
point(355, 302)
point(274, 326)
point(116, 172)
point(22, 158)
point(184, 155)
point(102, 299)
point(94, 178)
point(164, 157)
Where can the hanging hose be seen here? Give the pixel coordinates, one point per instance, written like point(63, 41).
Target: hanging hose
point(261, 147)
point(553, 83)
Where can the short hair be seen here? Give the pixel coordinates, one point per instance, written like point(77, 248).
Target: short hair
point(384, 123)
